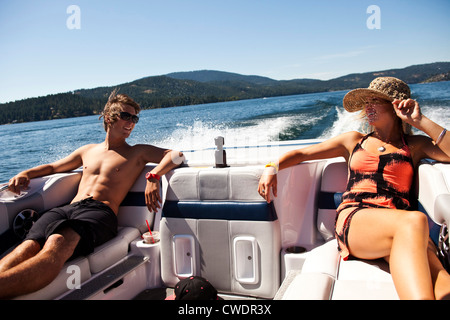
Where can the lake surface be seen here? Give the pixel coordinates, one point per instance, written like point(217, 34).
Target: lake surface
point(307, 116)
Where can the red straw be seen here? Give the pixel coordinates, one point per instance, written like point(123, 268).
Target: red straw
point(151, 235)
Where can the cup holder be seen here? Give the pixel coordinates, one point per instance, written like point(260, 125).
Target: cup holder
point(296, 249)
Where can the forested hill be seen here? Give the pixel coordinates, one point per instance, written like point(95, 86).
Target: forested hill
point(197, 87)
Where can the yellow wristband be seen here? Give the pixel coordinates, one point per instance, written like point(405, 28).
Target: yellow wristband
point(274, 165)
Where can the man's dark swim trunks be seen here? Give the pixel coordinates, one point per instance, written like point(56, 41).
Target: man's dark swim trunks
point(95, 222)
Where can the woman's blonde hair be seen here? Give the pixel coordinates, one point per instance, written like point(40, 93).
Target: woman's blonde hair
point(114, 106)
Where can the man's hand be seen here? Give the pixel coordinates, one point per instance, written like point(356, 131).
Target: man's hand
point(152, 195)
point(20, 181)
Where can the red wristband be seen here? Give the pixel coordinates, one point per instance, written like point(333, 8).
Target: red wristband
point(149, 176)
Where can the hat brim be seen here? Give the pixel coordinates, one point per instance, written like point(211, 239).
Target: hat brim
point(355, 99)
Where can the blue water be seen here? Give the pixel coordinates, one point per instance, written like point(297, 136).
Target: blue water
point(318, 115)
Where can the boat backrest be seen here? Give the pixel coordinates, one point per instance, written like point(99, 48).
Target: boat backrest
point(215, 225)
point(132, 216)
point(333, 184)
point(133, 211)
point(434, 190)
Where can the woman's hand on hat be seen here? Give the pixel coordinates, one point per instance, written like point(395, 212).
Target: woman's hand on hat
point(407, 110)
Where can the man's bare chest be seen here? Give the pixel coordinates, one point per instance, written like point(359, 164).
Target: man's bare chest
point(108, 163)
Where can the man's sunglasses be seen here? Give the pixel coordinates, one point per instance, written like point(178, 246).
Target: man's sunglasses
point(126, 116)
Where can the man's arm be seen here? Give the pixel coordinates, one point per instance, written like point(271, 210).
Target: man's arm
point(167, 160)
point(170, 160)
point(22, 179)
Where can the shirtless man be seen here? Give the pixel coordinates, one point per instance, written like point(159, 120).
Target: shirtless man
point(110, 169)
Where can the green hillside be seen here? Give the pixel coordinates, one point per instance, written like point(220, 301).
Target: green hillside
point(198, 87)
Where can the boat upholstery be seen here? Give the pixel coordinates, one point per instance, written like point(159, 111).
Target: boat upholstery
point(41, 194)
point(215, 225)
point(132, 217)
point(324, 274)
point(434, 194)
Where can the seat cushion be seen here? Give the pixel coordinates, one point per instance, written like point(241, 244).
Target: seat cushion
point(112, 251)
point(234, 184)
point(309, 286)
point(324, 275)
point(323, 259)
point(317, 276)
point(364, 280)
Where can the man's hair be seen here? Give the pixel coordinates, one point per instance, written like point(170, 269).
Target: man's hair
point(114, 106)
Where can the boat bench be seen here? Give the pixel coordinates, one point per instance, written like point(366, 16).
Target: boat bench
point(132, 217)
point(215, 225)
point(324, 274)
point(434, 195)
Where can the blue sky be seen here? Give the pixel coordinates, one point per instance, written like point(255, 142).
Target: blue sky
point(121, 41)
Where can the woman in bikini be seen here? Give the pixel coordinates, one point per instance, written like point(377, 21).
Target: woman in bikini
point(375, 219)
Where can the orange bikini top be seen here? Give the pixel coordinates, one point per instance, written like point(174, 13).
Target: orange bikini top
point(379, 181)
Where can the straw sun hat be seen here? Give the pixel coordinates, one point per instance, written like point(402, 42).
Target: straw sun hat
point(388, 88)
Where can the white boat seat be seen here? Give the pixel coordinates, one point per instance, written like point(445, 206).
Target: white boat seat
point(215, 225)
point(316, 278)
point(324, 274)
point(364, 280)
point(112, 251)
point(132, 217)
point(434, 195)
point(333, 185)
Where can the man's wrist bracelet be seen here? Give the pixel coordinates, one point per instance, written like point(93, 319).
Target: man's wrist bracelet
point(150, 175)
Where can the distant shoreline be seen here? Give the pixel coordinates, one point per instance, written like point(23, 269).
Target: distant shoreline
point(201, 87)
